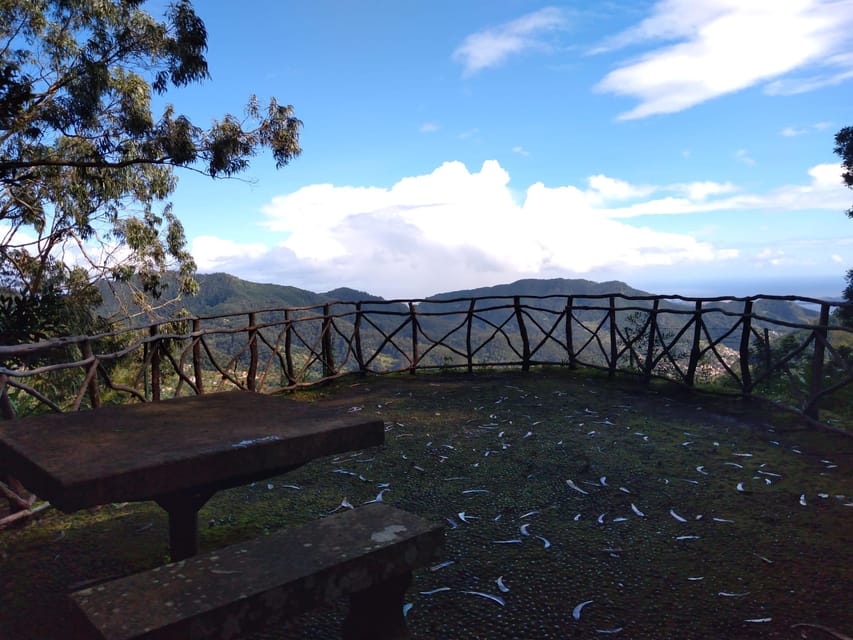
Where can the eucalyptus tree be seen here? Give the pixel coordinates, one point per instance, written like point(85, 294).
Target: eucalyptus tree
point(844, 148)
point(86, 167)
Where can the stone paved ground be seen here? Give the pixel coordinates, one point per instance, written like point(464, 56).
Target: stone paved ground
point(686, 517)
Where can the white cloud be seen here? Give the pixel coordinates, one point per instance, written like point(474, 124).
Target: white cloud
point(742, 155)
point(520, 150)
point(790, 132)
point(492, 47)
point(826, 175)
point(825, 192)
point(454, 228)
point(215, 254)
point(772, 257)
point(701, 190)
point(708, 49)
point(796, 85)
point(429, 127)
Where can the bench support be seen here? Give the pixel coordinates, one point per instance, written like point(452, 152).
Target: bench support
point(377, 612)
point(367, 554)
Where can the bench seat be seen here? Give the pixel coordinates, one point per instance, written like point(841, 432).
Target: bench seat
point(367, 553)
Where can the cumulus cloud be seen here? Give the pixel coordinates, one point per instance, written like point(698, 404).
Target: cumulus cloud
point(216, 254)
point(492, 47)
point(702, 50)
point(456, 228)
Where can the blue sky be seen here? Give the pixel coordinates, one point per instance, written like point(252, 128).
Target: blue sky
point(682, 146)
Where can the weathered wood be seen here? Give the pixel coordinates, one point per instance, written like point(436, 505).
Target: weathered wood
point(413, 318)
point(198, 372)
point(469, 351)
point(816, 384)
point(90, 382)
point(288, 347)
point(570, 334)
point(695, 351)
point(176, 446)
point(23, 514)
point(326, 355)
point(368, 553)
point(611, 315)
point(743, 352)
point(359, 353)
point(7, 411)
point(649, 364)
point(13, 490)
point(153, 330)
point(522, 330)
point(252, 372)
point(311, 354)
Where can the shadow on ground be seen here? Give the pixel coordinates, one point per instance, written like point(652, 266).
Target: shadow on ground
point(576, 507)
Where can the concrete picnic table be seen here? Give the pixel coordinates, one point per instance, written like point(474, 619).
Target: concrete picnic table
point(178, 452)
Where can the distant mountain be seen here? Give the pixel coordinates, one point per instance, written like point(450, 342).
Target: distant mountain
point(539, 287)
point(776, 309)
point(345, 294)
point(492, 332)
point(221, 293)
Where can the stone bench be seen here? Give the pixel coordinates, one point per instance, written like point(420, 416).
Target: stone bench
point(367, 553)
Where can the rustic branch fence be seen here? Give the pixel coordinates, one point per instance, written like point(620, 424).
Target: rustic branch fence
point(730, 344)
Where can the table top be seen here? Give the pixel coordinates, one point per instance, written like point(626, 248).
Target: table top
point(143, 451)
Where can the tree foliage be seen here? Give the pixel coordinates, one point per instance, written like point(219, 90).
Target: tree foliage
point(844, 148)
point(86, 168)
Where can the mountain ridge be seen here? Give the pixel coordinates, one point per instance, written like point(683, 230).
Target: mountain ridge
point(223, 293)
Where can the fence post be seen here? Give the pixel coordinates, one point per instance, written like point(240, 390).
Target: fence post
point(650, 351)
point(820, 335)
point(359, 354)
point(153, 330)
point(694, 349)
point(522, 330)
point(745, 373)
point(611, 371)
point(92, 384)
point(288, 347)
point(468, 351)
point(326, 349)
point(252, 373)
point(7, 411)
point(570, 336)
point(198, 372)
point(414, 319)
point(768, 354)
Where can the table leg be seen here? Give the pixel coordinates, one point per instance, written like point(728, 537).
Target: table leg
point(182, 508)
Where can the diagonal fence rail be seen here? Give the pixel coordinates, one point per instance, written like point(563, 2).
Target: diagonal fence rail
point(786, 348)
point(794, 351)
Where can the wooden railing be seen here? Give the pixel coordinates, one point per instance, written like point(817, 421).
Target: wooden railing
point(728, 344)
